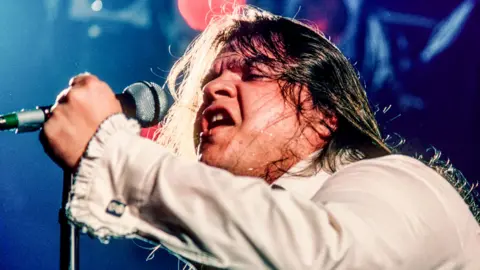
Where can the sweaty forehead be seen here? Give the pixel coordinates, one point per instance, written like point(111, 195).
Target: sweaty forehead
point(235, 61)
point(253, 54)
point(228, 60)
point(253, 48)
point(229, 56)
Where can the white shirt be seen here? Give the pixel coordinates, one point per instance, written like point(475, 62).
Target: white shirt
point(391, 212)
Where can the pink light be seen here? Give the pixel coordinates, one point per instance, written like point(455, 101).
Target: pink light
point(197, 13)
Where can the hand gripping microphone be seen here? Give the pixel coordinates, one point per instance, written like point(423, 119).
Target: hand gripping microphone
point(144, 101)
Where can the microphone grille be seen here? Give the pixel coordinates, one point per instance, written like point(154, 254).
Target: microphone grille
point(151, 102)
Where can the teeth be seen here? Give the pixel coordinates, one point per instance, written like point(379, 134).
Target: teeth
point(217, 117)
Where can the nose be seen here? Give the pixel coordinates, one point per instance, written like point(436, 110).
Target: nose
point(219, 88)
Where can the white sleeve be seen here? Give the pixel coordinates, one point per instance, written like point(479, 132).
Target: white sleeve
point(127, 186)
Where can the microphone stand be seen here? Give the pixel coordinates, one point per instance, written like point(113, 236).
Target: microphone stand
point(69, 235)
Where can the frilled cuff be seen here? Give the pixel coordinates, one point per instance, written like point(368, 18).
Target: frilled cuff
point(87, 205)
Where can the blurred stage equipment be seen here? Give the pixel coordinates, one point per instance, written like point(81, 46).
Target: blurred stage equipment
point(133, 12)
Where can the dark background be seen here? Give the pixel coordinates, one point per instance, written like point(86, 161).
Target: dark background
point(418, 58)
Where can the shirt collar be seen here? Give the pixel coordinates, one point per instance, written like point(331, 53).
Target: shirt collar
point(304, 186)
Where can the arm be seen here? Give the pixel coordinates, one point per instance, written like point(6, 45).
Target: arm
point(213, 217)
point(190, 208)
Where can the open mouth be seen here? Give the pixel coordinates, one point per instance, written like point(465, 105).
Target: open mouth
point(216, 118)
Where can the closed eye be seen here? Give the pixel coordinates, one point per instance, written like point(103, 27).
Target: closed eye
point(255, 77)
point(251, 76)
point(252, 71)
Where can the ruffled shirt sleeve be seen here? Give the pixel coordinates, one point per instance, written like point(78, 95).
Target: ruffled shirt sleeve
point(391, 213)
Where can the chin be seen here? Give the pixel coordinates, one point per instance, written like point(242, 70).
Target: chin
point(217, 161)
point(211, 159)
point(214, 155)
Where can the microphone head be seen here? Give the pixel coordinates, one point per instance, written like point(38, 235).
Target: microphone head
point(150, 102)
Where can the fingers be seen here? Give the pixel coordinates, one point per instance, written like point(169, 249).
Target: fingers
point(65, 135)
point(78, 90)
point(86, 82)
point(78, 112)
point(61, 97)
point(82, 79)
point(48, 135)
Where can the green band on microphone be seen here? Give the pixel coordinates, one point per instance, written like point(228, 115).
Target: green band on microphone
point(9, 121)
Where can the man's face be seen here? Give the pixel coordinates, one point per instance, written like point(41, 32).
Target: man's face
point(245, 125)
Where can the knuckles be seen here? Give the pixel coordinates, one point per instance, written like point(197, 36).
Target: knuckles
point(90, 80)
point(76, 95)
point(89, 89)
point(52, 126)
point(75, 116)
point(83, 79)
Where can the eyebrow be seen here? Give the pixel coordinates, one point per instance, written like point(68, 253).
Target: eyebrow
point(230, 64)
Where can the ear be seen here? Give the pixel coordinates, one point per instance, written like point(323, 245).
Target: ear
point(324, 123)
point(319, 128)
point(330, 123)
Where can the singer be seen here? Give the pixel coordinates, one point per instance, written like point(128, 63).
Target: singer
point(270, 158)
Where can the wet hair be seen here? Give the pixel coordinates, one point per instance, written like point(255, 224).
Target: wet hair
point(301, 58)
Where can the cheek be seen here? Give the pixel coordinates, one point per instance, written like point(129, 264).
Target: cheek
point(267, 111)
point(269, 130)
point(266, 116)
point(276, 119)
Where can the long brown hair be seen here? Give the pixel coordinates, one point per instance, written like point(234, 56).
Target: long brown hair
point(299, 55)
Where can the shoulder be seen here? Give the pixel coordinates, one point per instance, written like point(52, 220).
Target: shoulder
point(397, 164)
point(389, 169)
point(398, 203)
point(398, 180)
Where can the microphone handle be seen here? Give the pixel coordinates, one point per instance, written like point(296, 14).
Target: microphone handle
point(32, 120)
point(25, 121)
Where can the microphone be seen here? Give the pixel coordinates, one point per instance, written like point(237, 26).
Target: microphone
point(144, 101)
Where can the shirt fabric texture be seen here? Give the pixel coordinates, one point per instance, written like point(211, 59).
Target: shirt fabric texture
point(391, 212)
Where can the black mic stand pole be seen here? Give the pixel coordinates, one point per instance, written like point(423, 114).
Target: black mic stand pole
point(69, 235)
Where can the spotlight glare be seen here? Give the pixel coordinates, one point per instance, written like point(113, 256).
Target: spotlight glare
point(94, 31)
point(97, 5)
